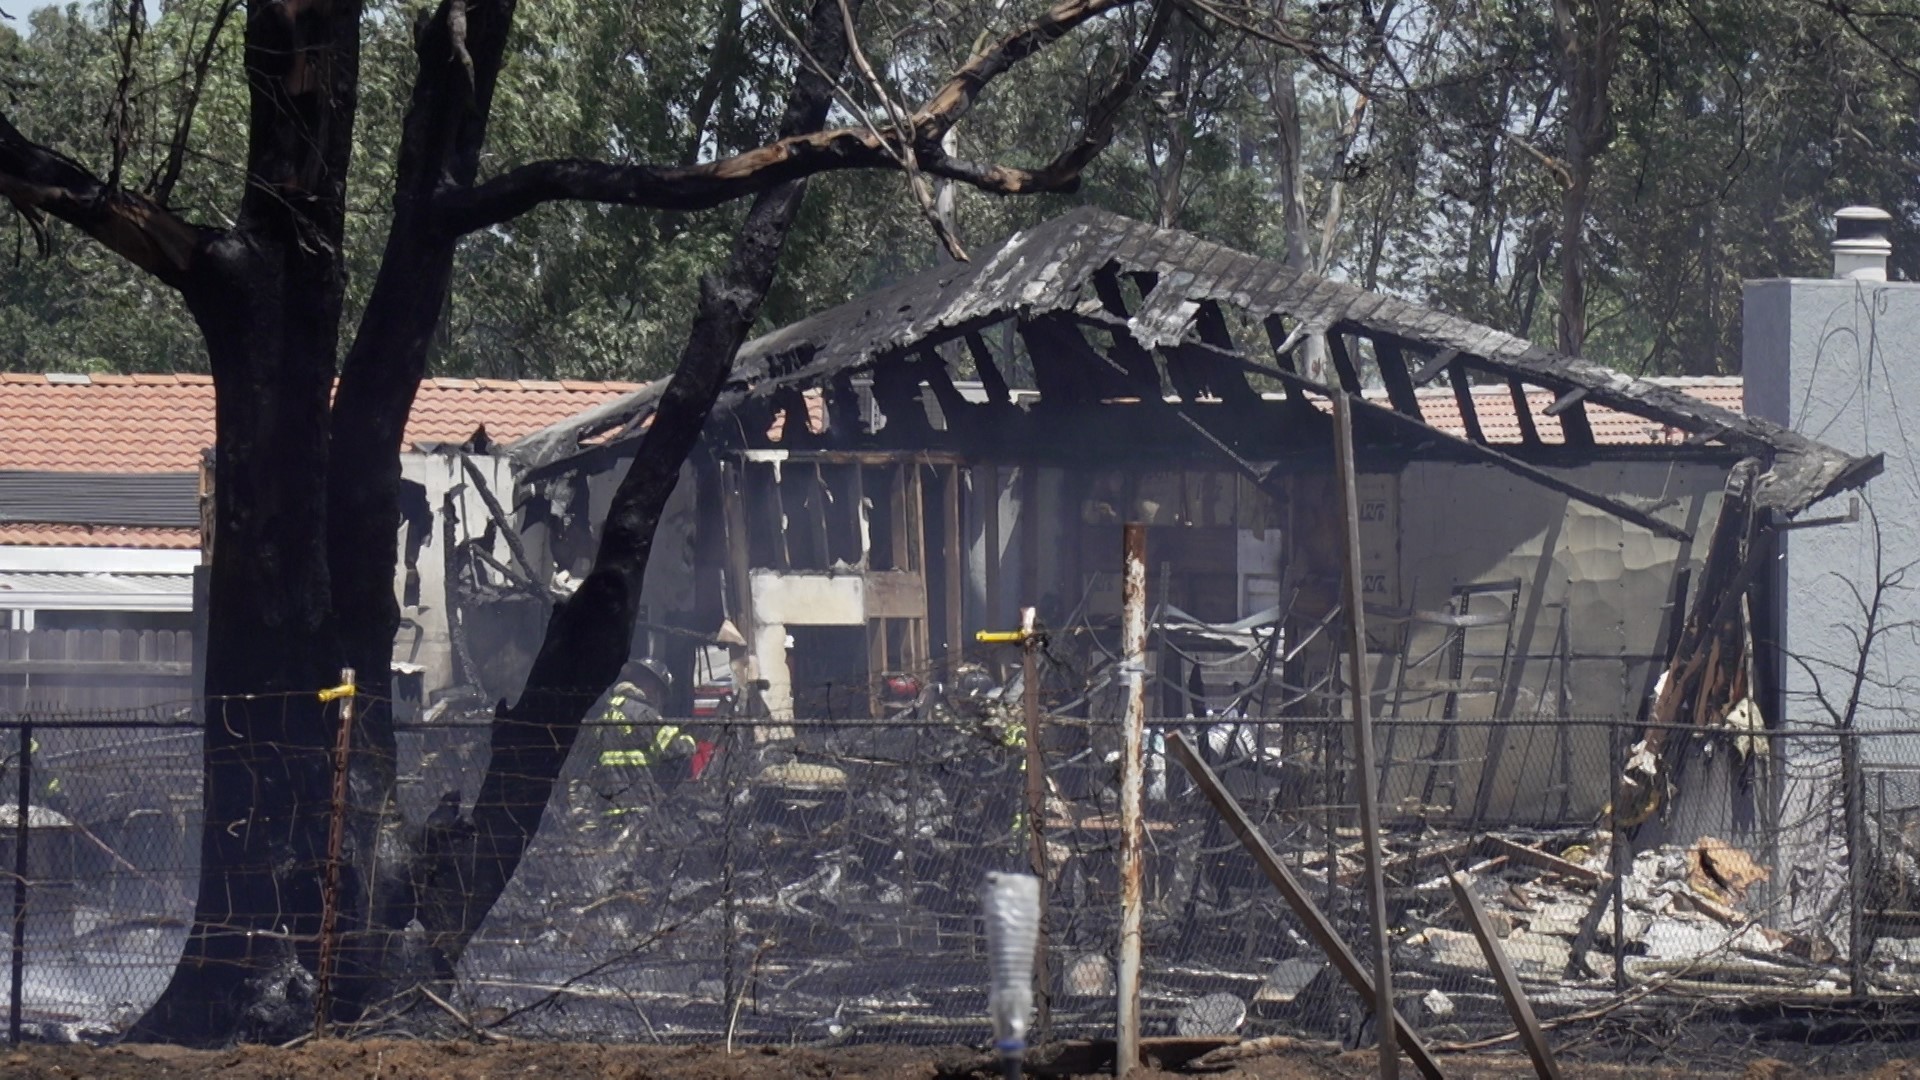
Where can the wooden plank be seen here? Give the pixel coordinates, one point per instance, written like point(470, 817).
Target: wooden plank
point(734, 511)
point(1366, 772)
point(1575, 426)
point(983, 365)
point(1538, 858)
point(896, 594)
point(1133, 736)
point(1463, 398)
point(92, 648)
point(876, 663)
point(1316, 922)
point(1523, 412)
point(989, 475)
point(955, 578)
point(1518, 1007)
point(898, 519)
point(1392, 362)
point(1343, 364)
point(1435, 364)
point(1277, 336)
point(1029, 534)
point(1566, 401)
point(817, 518)
point(917, 509)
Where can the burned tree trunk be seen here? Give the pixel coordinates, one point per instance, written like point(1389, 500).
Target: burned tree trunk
point(307, 475)
point(590, 634)
point(441, 140)
point(268, 298)
point(1589, 39)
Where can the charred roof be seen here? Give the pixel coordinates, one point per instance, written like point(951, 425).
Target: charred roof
point(1166, 295)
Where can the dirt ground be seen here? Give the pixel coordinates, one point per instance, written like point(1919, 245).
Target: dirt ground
point(373, 1060)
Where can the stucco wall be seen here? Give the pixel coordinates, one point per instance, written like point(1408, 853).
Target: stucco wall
point(1835, 360)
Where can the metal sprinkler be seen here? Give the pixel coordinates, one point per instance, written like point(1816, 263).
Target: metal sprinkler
point(1011, 903)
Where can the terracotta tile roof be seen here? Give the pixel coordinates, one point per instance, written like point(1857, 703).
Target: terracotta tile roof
point(1499, 423)
point(161, 423)
point(116, 536)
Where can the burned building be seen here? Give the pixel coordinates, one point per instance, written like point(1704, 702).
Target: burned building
point(1542, 537)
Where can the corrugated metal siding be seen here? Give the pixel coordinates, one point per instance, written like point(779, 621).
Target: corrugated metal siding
point(71, 591)
point(150, 499)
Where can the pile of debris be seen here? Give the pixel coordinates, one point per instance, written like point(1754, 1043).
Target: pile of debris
point(1691, 921)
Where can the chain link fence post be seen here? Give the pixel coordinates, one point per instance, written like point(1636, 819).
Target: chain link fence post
point(20, 830)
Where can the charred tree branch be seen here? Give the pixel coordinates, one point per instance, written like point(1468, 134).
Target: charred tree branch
point(40, 181)
point(462, 210)
point(589, 635)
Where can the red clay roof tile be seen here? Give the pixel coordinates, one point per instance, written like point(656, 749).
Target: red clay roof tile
point(162, 423)
point(116, 536)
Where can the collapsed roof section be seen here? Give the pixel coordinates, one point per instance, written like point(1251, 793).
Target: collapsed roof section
point(1167, 294)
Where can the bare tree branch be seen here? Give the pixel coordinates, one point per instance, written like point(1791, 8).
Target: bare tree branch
point(120, 120)
point(161, 189)
point(699, 187)
point(40, 181)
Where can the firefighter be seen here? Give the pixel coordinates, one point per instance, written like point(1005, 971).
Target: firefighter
point(637, 747)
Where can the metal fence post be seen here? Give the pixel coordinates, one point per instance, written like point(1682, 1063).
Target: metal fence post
point(20, 829)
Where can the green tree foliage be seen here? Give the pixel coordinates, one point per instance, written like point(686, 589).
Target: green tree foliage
point(1428, 145)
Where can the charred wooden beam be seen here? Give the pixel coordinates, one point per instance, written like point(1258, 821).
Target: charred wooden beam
point(1317, 925)
point(1523, 413)
point(1065, 367)
point(1226, 381)
point(1283, 344)
point(998, 393)
point(1435, 364)
point(498, 513)
point(1570, 410)
point(1566, 401)
point(1159, 404)
point(1131, 355)
point(843, 407)
point(790, 405)
point(1463, 398)
point(896, 389)
point(1714, 632)
point(959, 412)
point(1343, 364)
point(1393, 372)
point(1575, 425)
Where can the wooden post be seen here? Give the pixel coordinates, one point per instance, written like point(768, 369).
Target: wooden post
point(1518, 1007)
point(987, 483)
point(1852, 794)
point(1311, 917)
point(1036, 816)
point(1133, 736)
point(1368, 781)
point(336, 838)
point(956, 617)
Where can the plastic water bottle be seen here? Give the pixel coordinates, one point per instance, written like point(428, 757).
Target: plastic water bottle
point(1011, 903)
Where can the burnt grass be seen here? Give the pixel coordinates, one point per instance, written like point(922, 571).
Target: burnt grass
point(459, 1060)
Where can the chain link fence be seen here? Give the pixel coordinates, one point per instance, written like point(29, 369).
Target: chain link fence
point(816, 882)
